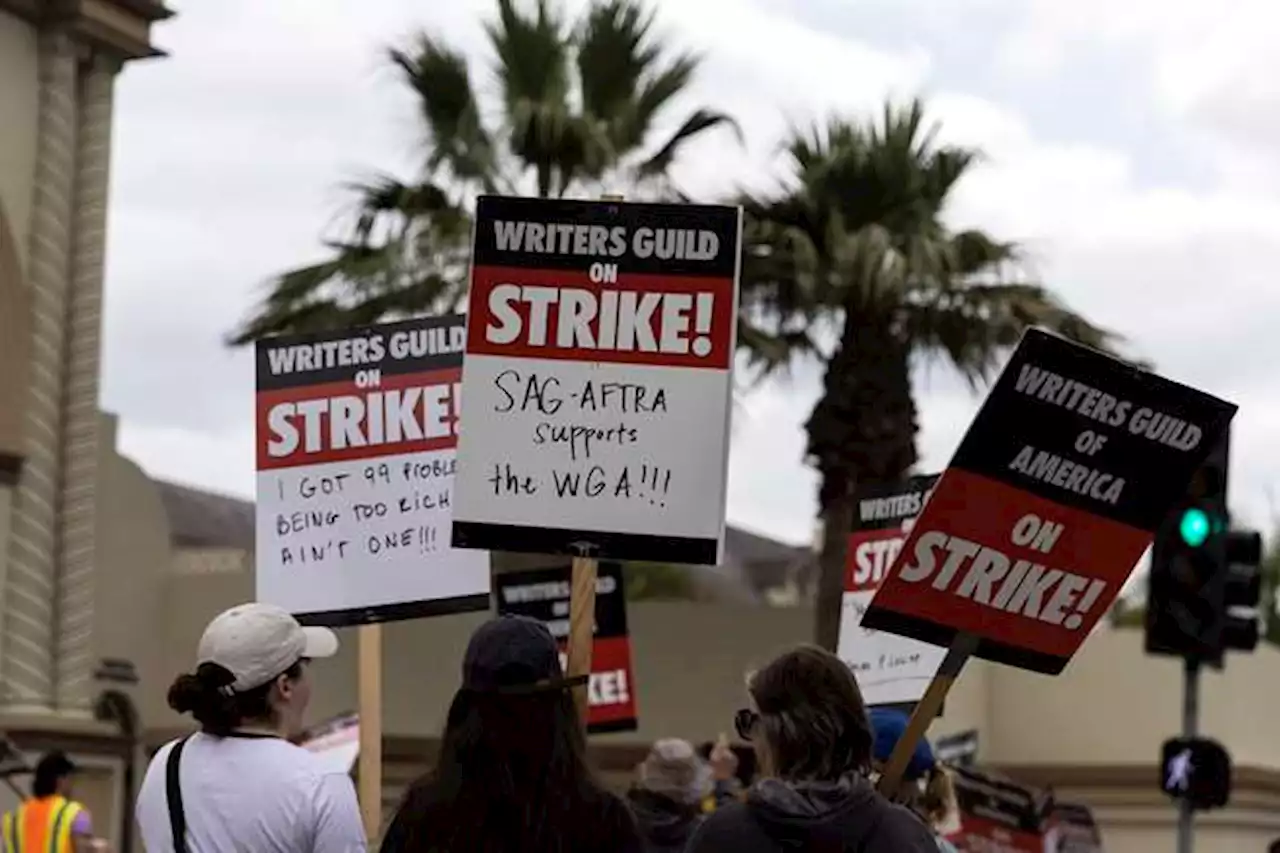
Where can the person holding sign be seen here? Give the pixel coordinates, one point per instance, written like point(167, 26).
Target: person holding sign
point(512, 771)
point(927, 788)
point(809, 726)
point(239, 784)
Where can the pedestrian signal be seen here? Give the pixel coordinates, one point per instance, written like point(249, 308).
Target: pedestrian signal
point(1197, 770)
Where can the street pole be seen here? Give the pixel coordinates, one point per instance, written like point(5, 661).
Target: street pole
point(1190, 728)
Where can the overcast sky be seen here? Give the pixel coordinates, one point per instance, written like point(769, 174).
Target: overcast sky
point(1133, 146)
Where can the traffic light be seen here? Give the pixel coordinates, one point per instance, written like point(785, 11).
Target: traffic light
point(1186, 604)
point(1242, 590)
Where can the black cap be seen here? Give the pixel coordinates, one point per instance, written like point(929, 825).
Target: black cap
point(513, 654)
point(55, 765)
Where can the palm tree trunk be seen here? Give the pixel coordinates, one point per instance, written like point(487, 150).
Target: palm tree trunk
point(863, 430)
point(837, 520)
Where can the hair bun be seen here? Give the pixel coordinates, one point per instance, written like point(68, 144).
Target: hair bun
point(215, 675)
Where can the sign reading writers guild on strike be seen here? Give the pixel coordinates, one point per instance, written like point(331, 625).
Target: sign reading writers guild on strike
point(600, 344)
point(891, 669)
point(1060, 482)
point(356, 436)
point(543, 594)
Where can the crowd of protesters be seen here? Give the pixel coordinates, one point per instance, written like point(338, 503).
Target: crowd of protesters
point(512, 771)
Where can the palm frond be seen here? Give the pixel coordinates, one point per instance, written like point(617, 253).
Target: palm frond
point(456, 136)
point(699, 122)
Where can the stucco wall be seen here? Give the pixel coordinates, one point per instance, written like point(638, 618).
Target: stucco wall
point(133, 564)
point(19, 104)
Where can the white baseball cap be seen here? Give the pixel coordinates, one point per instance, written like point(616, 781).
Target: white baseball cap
point(257, 642)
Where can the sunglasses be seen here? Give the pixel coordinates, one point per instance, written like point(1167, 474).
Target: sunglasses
point(744, 722)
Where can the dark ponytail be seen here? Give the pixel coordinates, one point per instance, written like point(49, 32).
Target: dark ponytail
point(206, 696)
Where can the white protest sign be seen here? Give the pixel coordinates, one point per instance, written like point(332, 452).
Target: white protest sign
point(890, 669)
point(356, 436)
point(600, 346)
point(336, 743)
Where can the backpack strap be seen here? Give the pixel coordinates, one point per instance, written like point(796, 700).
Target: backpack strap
point(173, 793)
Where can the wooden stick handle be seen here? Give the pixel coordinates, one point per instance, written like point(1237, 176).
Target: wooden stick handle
point(582, 624)
point(369, 682)
point(962, 646)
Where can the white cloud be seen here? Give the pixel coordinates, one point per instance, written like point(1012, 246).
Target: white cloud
point(229, 152)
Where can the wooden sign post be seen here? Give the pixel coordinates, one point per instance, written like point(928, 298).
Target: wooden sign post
point(582, 621)
point(369, 685)
point(925, 711)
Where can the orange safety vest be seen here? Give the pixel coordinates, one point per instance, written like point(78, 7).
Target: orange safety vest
point(41, 825)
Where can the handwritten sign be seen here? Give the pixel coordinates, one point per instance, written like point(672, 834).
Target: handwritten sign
point(891, 669)
point(598, 366)
point(543, 594)
point(356, 438)
point(1057, 488)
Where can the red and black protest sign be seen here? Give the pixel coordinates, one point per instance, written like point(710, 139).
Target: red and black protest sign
point(543, 594)
point(1056, 490)
point(996, 816)
point(356, 437)
point(892, 670)
point(600, 345)
point(1071, 828)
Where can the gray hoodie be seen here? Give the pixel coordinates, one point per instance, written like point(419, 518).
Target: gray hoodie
point(846, 816)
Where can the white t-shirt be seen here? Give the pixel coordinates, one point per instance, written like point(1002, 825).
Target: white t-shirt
point(259, 794)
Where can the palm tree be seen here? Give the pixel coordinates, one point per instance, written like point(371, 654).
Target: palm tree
point(581, 104)
point(852, 264)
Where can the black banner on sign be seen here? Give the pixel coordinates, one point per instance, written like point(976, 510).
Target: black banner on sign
point(1076, 427)
point(639, 238)
point(411, 346)
point(543, 594)
point(887, 506)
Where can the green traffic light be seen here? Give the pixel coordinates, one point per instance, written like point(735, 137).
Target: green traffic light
point(1194, 527)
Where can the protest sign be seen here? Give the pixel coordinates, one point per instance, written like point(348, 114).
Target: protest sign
point(356, 435)
point(600, 345)
point(543, 594)
point(891, 669)
point(957, 750)
point(1056, 490)
point(335, 742)
point(1071, 828)
point(996, 816)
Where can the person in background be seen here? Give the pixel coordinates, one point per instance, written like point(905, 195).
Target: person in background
point(667, 798)
point(50, 821)
point(239, 784)
point(810, 730)
point(733, 767)
point(927, 789)
point(512, 772)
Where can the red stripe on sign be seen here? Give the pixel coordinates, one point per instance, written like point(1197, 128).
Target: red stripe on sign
point(611, 691)
point(980, 835)
point(637, 319)
point(1010, 567)
point(871, 553)
point(337, 421)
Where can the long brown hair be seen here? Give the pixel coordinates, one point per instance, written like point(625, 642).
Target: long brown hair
point(812, 716)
